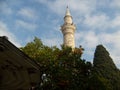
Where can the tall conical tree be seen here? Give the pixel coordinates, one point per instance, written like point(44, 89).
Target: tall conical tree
point(102, 58)
point(105, 68)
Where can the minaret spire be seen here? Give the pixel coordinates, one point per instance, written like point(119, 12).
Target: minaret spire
point(68, 30)
point(67, 6)
point(67, 12)
point(68, 17)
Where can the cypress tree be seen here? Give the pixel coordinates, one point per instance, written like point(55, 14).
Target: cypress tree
point(105, 68)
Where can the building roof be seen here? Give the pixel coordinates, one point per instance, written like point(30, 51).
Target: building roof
point(17, 70)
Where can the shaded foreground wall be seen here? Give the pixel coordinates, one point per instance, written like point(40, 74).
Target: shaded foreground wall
point(17, 70)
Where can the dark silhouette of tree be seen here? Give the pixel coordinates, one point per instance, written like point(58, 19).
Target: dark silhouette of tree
point(105, 69)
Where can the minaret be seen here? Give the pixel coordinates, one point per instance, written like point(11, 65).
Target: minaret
point(68, 30)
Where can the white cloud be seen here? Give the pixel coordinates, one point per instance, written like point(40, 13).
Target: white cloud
point(52, 41)
point(116, 59)
point(111, 38)
point(97, 24)
point(79, 6)
point(26, 25)
point(4, 32)
point(116, 21)
point(28, 13)
point(97, 21)
point(83, 6)
point(98, 27)
point(115, 3)
point(89, 40)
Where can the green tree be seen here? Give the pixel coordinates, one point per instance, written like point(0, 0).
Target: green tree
point(32, 49)
point(64, 69)
point(105, 69)
point(60, 68)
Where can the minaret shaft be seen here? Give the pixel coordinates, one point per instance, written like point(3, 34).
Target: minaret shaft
point(68, 30)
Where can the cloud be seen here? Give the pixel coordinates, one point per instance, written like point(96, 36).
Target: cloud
point(116, 59)
point(58, 5)
point(82, 7)
point(26, 25)
point(115, 4)
point(79, 6)
point(52, 41)
point(4, 32)
point(28, 13)
point(97, 21)
point(115, 23)
point(89, 40)
point(110, 38)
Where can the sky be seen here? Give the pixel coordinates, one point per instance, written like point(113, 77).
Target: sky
point(97, 22)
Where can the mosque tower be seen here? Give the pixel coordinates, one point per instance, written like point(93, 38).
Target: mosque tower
point(68, 30)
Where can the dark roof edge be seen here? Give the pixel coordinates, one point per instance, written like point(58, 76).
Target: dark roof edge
point(4, 39)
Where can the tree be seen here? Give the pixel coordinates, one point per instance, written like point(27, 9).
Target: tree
point(105, 69)
point(60, 68)
point(64, 69)
point(32, 49)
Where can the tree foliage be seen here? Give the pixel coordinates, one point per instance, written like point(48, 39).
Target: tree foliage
point(60, 68)
point(63, 69)
point(105, 69)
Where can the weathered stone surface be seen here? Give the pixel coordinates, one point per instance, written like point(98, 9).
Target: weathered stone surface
point(17, 70)
point(68, 30)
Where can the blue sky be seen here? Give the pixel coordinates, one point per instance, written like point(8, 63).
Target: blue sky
point(97, 22)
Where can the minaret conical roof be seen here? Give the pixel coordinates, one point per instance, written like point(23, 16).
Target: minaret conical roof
point(67, 12)
point(68, 17)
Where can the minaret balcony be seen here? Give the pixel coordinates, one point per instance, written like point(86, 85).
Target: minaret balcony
point(68, 26)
